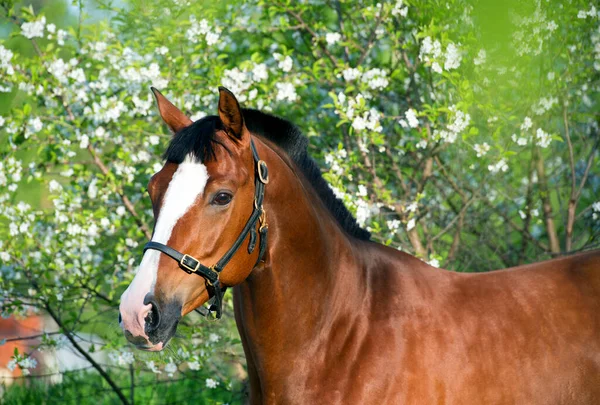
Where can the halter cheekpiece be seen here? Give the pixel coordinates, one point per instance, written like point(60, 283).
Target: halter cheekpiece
point(211, 274)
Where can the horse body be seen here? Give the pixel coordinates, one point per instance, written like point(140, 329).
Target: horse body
point(328, 317)
point(420, 335)
point(335, 320)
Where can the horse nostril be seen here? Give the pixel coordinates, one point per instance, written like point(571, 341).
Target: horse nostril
point(120, 318)
point(153, 318)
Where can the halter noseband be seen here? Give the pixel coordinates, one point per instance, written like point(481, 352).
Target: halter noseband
point(211, 274)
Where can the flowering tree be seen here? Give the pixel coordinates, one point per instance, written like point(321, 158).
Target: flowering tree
point(470, 143)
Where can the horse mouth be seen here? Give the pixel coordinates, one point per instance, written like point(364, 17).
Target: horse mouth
point(152, 348)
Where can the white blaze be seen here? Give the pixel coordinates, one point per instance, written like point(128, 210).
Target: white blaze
point(186, 185)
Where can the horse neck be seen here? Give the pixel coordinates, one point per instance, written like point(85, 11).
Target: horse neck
point(311, 276)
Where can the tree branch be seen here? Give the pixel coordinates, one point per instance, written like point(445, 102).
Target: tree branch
point(124, 198)
point(85, 354)
point(546, 206)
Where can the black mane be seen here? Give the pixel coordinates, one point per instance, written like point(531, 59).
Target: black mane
point(198, 139)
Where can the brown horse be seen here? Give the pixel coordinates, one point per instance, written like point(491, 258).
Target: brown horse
point(328, 317)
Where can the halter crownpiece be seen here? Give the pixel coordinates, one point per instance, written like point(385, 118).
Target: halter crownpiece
point(211, 274)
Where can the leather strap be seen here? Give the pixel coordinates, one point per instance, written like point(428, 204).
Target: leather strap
point(211, 274)
point(187, 263)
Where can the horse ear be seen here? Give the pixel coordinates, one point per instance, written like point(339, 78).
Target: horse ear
point(171, 115)
point(231, 116)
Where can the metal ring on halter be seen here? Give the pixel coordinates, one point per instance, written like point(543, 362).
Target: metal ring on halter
point(264, 177)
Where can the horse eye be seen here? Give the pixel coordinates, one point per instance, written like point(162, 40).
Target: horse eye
point(222, 198)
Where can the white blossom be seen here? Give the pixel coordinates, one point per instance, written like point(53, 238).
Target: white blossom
point(481, 57)
point(157, 167)
point(519, 141)
point(6, 56)
point(544, 104)
point(376, 79)
point(77, 75)
point(285, 62)
point(394, 225)
point(499, 166)
point(363, 211)
point(552, 26)
point(61, 35)
point(199, 115)
point(54, 186)
point(543, 138)
point(410, 224)
point(84, 141)
point(202, 28)
point(237, 81)
point(122, 358)
point(453, 57)
point(34, 29)
point(260, 72)
point(153, 367)
point(430, 48)
point(592, 12)
point(286, 92)
point(481, 149)
point(59, 69)
point(399, 10)
point(171, 368)
point(434, 262)
point(368, 120)
point(163, 50)
point(350, 74)
point(35, 124)
point(411, 118)
point(332, 38)
point(461, 121)
point(210, 383)
point(212, 37)
point(527, 123)
point(11, 365)
point(93, 189)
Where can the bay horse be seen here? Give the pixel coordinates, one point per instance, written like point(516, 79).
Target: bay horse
point(325, 315)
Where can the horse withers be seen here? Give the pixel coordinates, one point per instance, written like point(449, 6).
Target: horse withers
point(325, 315)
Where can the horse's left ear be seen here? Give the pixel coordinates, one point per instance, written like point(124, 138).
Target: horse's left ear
point(231, 116)
point(171, 115)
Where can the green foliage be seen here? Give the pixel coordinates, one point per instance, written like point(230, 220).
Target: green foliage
point(463, 132)
point(88, 387)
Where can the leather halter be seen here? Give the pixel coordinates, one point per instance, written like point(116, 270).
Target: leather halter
point(211, 273)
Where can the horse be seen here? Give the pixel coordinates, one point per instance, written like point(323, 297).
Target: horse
point(325, 315)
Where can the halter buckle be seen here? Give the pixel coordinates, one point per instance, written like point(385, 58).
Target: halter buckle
point(214, 270)
point(263, 220)
point(189, 263)
point(263, 176)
